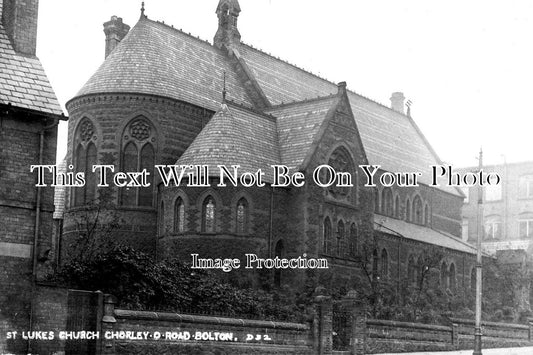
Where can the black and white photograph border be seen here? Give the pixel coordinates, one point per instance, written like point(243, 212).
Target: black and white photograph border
point(265, 177)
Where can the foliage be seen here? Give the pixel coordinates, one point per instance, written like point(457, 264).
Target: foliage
point(143, 284)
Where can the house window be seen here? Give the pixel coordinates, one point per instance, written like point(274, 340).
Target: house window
point(525, 228)
point(242, 216)
point(340, 237)
point(493, 192)
point(493, 228)
point(526, 186)
point(327, 236)
point(138, 154)
point(85, 157)
point(384, 264)
point(179, 216)
point(208, 215)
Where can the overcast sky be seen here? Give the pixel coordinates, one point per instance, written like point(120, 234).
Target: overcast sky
point(466, 65)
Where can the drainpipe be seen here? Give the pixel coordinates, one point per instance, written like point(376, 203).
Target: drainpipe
point(37, 226)
point(270, 231)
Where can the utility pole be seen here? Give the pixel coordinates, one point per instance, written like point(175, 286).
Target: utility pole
point(480, 231)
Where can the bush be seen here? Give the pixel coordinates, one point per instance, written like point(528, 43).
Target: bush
point(143, 284)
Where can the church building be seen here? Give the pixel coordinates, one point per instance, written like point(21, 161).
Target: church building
point(165, 97)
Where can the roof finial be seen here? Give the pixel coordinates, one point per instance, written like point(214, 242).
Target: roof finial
point(224, 89)
point(142, 10)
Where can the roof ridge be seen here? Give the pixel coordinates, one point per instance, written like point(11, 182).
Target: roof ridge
point(250, 108)
point(170, 26)
point(312, 99)
point(320, 77)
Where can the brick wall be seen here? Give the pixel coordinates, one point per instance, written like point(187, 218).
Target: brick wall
point(20, 22)
point(19, 134)
point(276, 338)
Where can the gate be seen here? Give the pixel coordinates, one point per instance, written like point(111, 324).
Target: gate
point(341, 327)
point(84, 312)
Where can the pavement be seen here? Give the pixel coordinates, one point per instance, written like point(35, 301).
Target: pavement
point(505, 351)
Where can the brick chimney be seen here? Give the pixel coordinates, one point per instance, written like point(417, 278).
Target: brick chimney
point(397, 102)
point(19, 18)
point(115, 30)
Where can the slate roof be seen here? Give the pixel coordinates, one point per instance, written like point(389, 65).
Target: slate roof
point(235, 136)
point(298, 125)
point(421, 234)
point(23, 82)
point(157, 59)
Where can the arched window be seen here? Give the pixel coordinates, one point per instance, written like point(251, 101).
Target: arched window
point(375, 263)
point(408, 210)
point(353, 239)
point(179, 216)
point(326, 247)
point(161, 219)
point(340, 237)
point(279, 251)
point(384, 264)
point(85, 156)
point(242, 216)
point(397, 207)
point(426, 215)
point(411, 270)
point(453, 281)
point(208, 215)
point(473, 277)
point(443, 275)
point(138, 153)
point(386, 202)
point(417, 210)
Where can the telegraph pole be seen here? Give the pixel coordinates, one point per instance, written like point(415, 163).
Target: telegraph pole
point(480, 231)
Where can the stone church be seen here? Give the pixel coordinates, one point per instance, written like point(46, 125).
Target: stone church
point(164, 97)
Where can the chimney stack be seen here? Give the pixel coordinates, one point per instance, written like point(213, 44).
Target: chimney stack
point(397, 102)
point(19, 18)
point(115, 30)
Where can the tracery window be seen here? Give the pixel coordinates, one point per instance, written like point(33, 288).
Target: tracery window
point(443, 275)
point(138, 153)
point(341, 161)
point(85, 156)
point(179, 216)
point(242, 216)
point(408, 210)
point(208, 215)
point(426, 214)
point(375, 264)
point(397, 207)
point(161, 218)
